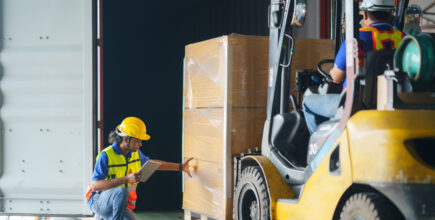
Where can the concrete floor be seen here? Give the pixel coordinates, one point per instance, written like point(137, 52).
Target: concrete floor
point(142, 215)
point(161, 215)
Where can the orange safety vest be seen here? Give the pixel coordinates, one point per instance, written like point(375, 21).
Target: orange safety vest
point(118, 168)
point(381, 37)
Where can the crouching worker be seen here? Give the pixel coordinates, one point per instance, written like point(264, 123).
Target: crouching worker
point(112, 192)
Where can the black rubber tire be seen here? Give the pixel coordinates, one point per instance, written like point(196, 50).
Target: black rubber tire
point(369, 206)
point(251, 198)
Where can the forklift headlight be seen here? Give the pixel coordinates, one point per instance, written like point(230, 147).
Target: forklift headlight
point(423, 149)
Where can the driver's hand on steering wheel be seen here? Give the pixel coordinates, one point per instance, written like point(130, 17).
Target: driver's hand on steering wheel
point(337, 75)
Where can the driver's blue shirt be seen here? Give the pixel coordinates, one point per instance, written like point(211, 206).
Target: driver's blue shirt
point(366, 39)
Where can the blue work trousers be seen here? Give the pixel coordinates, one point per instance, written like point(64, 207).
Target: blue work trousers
point(112, 204)
point(319, 108)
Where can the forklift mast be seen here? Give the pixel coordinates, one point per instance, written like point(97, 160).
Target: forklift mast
point(282, 127)
point(279, 57)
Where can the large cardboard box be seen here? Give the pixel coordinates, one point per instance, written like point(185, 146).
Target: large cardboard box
point(225, 97)
point(226, 70)
point(225, 88)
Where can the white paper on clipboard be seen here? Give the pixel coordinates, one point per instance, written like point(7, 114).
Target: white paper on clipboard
point(148, 169)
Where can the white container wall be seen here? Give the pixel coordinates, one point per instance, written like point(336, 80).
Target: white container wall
point(46, 108)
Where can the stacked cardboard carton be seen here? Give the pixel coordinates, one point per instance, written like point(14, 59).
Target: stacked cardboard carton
point(225, 88)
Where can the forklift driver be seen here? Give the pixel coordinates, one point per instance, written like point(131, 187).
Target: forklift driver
point(112, 192)
point(376, 34)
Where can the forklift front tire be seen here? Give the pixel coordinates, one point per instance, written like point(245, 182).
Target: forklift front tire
point(251, 198)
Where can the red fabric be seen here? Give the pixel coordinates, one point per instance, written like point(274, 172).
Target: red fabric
point(132, 197)
point(88, 194)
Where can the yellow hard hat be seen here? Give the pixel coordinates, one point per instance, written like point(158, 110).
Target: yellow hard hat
point(133, 127)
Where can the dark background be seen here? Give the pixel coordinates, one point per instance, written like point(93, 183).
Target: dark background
point(143, 71)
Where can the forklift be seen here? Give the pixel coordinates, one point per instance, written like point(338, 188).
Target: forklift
point(374, 159)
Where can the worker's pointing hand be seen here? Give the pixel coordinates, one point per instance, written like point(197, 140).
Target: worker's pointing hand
point(186, 168)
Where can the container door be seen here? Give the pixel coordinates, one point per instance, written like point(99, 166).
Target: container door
point(46, 106)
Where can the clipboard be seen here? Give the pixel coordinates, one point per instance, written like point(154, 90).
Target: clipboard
point(148, 169)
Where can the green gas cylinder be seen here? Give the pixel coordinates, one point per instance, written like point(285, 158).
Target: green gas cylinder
point(416, 56)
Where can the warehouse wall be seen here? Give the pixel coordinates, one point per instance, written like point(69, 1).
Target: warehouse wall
point(143, 71)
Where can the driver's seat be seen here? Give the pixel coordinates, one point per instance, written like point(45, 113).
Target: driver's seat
point(290, 136)
point(376, 63)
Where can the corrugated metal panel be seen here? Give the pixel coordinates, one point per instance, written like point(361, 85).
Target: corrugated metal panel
point(46, 109)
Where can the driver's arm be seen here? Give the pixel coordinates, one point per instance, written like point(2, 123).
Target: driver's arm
point(338, 71)
point(337, 74)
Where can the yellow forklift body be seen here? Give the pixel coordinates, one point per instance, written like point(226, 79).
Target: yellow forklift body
point(371, 135)
point(377, 146)
point(322, 191)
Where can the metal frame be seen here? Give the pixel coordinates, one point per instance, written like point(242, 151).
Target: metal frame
point(278, 102)
point(101, 76)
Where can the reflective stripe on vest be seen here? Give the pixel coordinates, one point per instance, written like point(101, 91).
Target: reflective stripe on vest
point(119, 168)
point(380, 37)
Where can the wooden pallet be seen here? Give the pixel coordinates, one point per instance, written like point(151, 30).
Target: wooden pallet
point(190, 215)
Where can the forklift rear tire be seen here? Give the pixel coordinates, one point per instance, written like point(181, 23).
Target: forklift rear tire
point(251, 198)
point(369, 206)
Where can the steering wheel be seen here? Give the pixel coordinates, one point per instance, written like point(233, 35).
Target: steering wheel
point(325, 75)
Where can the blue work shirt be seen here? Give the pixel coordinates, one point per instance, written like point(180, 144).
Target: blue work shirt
point(366, 39)
point(102, 168)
